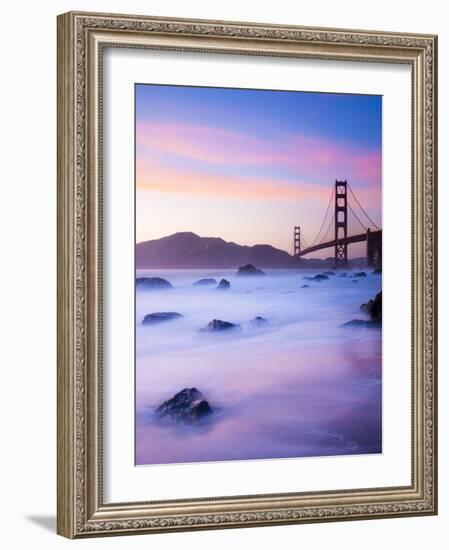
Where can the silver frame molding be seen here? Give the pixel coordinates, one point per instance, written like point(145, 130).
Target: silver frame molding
point(81, 39)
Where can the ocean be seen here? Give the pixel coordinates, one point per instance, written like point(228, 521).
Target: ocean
point(300, 386)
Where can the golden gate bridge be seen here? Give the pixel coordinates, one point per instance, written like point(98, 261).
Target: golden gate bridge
point(344, 224)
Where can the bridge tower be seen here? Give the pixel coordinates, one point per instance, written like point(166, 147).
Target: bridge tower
point(297, 241)
point(341, 224)
point(374, 248)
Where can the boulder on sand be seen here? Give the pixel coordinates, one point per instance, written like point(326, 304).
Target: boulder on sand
point(160, 317)
point(223, 285)
point(188, 405)
point(216, 325)
point(249, 269)
point(152, 283)
point(205, 282)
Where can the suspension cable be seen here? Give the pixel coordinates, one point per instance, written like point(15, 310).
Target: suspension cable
point(325, 216)
point(361, 207)
point(356, 217)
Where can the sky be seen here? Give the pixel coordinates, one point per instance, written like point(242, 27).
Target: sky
point(249, 165)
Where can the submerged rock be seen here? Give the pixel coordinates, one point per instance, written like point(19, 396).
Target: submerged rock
point(160, 317)
point(362, 323)
point(374, 307)
point(216, 325)
point(320, 277)
point(360, 274)
point(223, 285)
point(188, 405)
point(259, 321)
point(205, 282)
point(152, 283)
point(249, 269)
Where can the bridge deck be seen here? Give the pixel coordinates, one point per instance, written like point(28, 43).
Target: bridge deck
point(349, 240)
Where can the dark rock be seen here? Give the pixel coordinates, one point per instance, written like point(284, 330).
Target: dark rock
point(160, 317)
point(329, 273)
point(249, 269)
point(187, 406)
point(360, 274)
point(305, 286)
point(205, 282)
point(354, 281)
point(374, 308)
point(216, 325)
point(223, 285)
point(377, 271)
point(152, 283)
point(362, 323)
point(320, 277)
point(344, 274)
point(259, 322)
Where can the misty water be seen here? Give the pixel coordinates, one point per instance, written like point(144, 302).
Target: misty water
point(301, 386)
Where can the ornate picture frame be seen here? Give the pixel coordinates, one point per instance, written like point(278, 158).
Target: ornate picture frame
point(82, 39)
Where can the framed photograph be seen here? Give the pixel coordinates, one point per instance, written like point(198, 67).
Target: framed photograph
point(246, 274)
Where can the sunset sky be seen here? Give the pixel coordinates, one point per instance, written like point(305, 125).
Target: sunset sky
point(249, 165)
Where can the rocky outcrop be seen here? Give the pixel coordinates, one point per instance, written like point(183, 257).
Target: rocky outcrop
point(249, 269)
point(374, 307)
point(360, 274)
point(205, 282)
point(223, 285)
point(217, 325)
point(160, 317)
point(152, 283)
point(188, 406)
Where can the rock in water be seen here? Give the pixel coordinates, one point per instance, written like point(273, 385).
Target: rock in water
point(329, 273)
point(361, 323)
point(249, 269)
point(205, 282)
point(320, 277)
point(377, 271)
point(305, 286)
point(160, 317)
point(344, 274)
point(374, 307)
point(223, 285)
point(374, 310)
point(259, 322)
point(187, 406)
point(360, 274)
point(152, 283)
point(216, 325)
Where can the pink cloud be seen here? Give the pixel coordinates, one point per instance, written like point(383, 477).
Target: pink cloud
point(152, 175)
point(304, 154)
